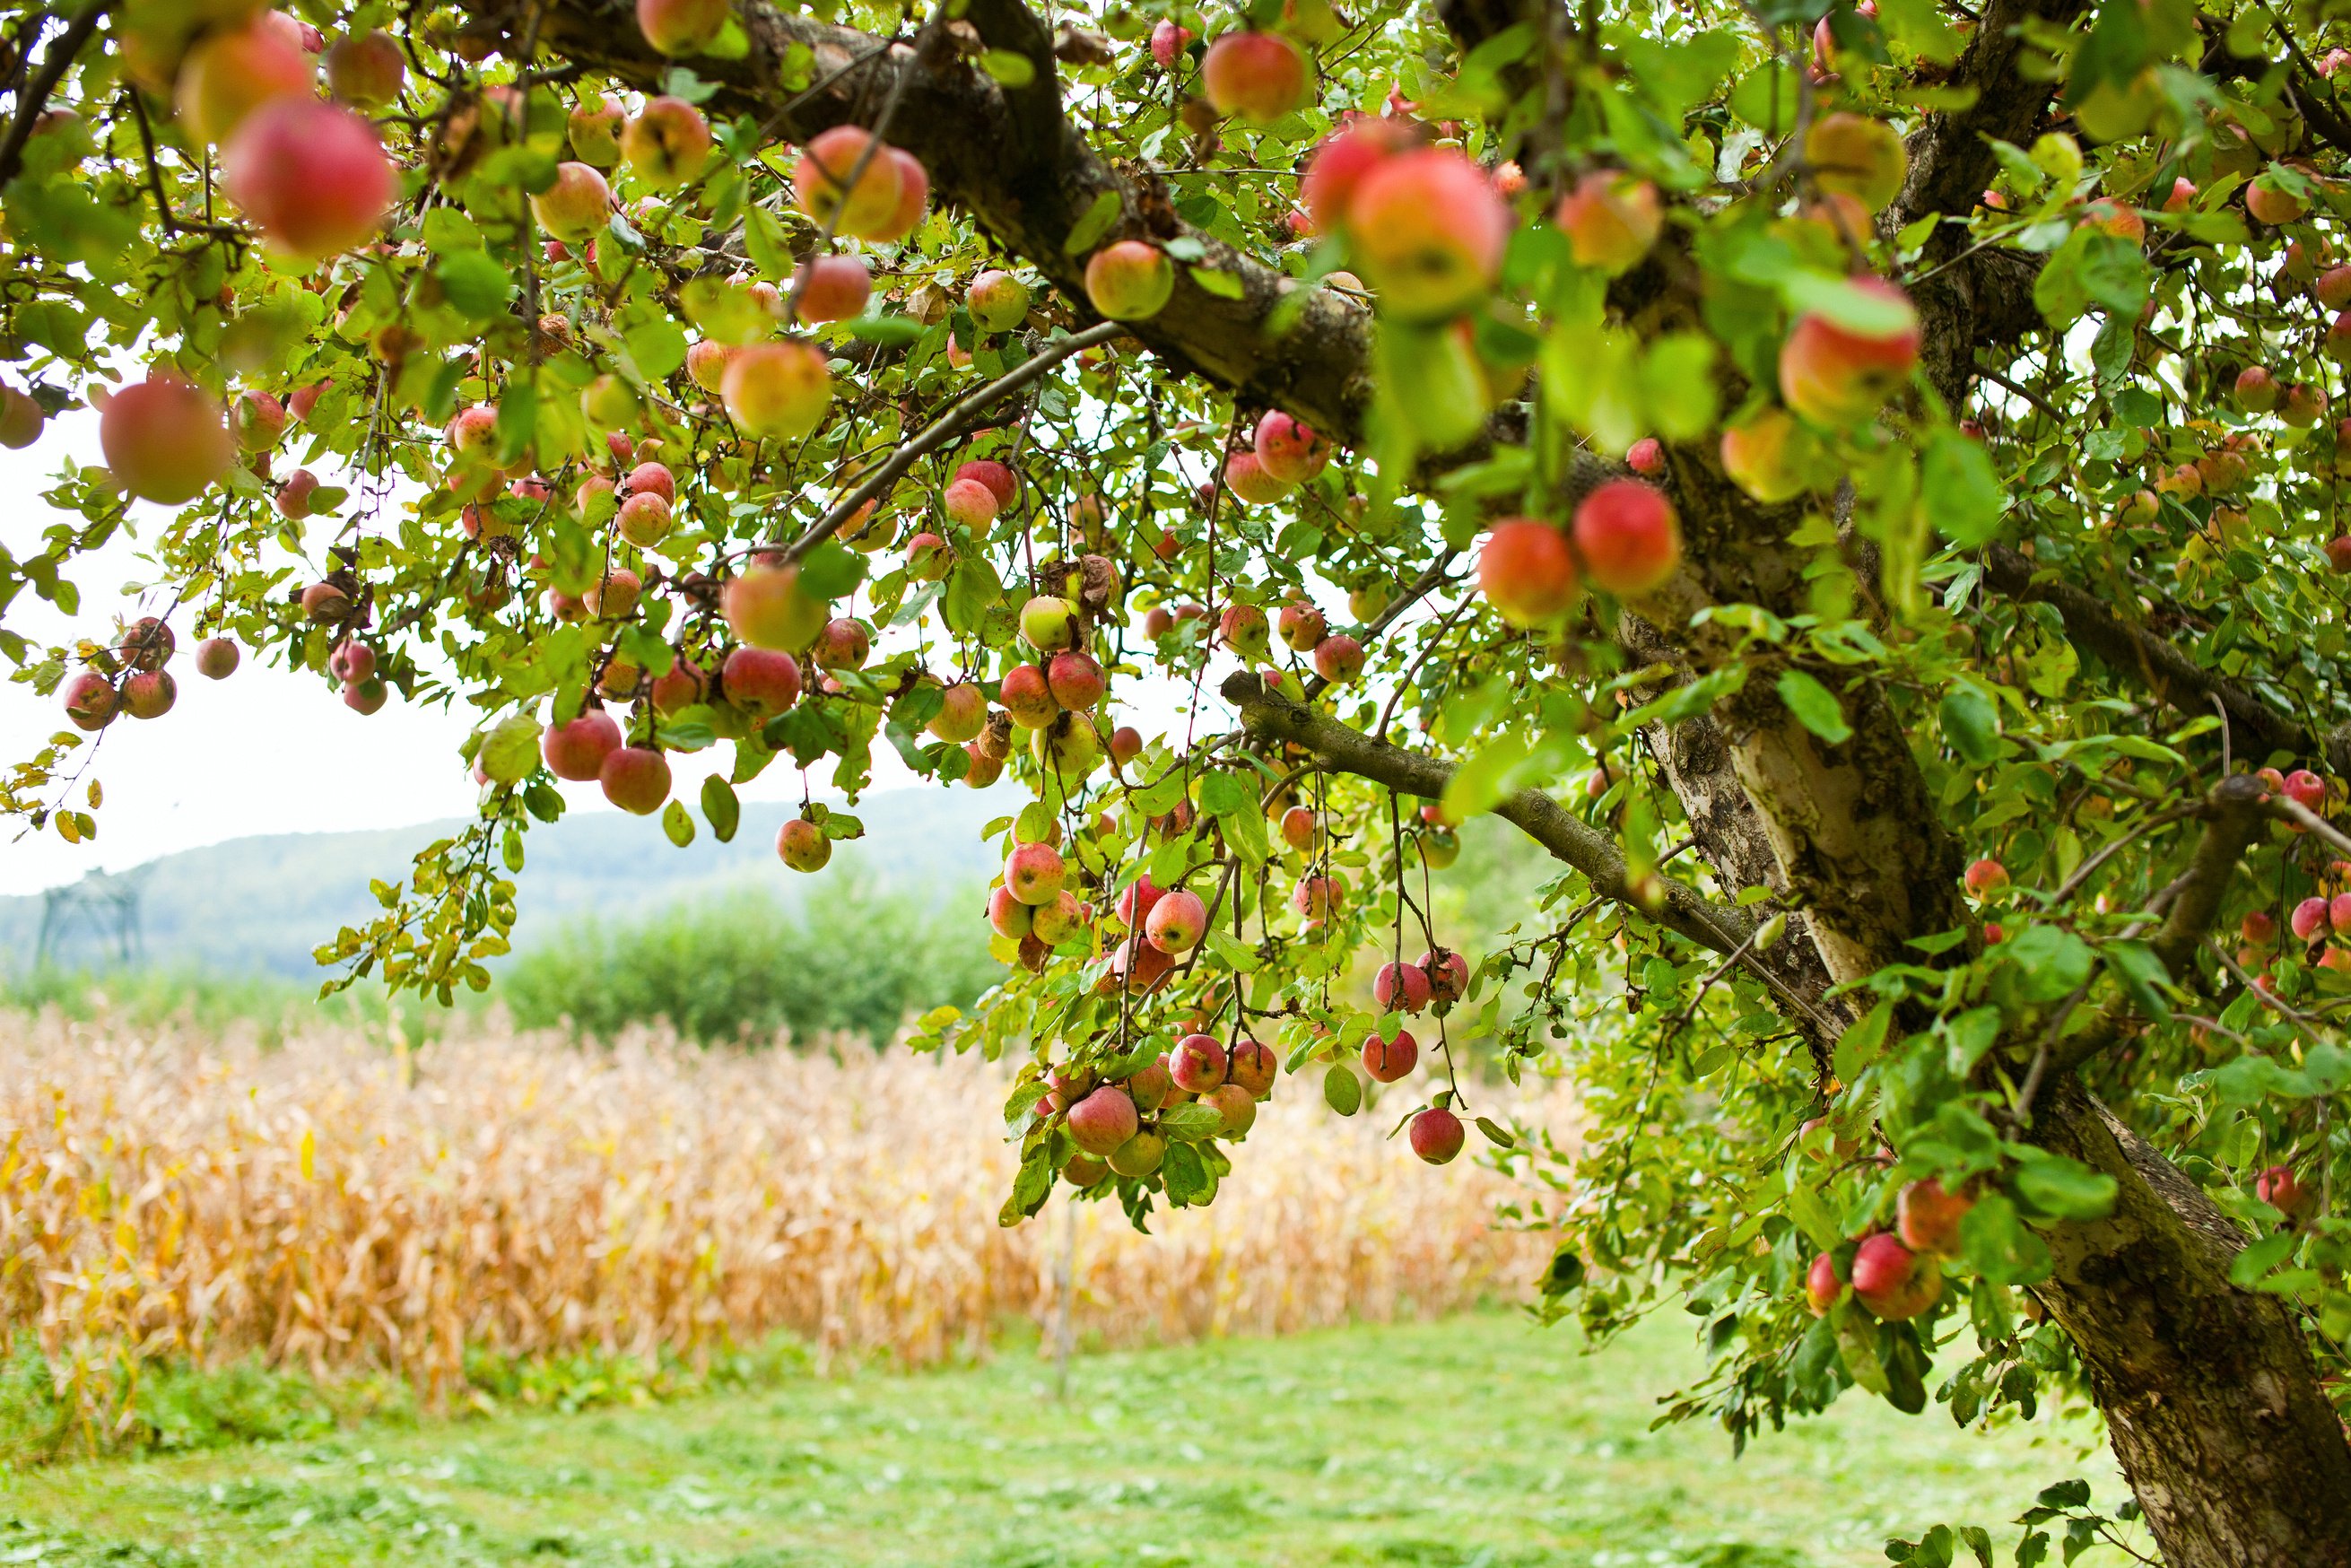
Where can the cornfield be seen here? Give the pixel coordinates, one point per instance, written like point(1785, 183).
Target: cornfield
point(339, 1207)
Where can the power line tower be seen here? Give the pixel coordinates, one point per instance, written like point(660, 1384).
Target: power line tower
point(102, 904)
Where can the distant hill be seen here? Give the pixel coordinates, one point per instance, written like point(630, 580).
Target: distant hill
point(259, 904)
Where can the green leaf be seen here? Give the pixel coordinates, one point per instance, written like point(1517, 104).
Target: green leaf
point(1971, 723)
point(2246, 1269)
point(771, 252)
point(1814, 705)
point(2065, 1189)
point(1856, 1338)
point(1192, 1123)
point(477, 286)
point(1181, 1173)
point(1963, 496)
point(677, 824)
point(1341, 1090)
point(721, 808)
point(1092, 225)
point(1014, 70)
point(1996, 1244)
point(1235, 955)
point(658, 346)
point(1495, 1134)
point(1223, 285)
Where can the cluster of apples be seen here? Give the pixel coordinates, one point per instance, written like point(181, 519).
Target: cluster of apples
point(310, 173)
point(1118, 1125)
point(1897, 1274)
point(131, 678)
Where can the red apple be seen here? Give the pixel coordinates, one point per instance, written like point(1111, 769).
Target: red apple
point(577, 750)
point(667, 144)
point(1435, 1134)
point(1260, 76)
point(777, 390)
point(164, 439)
point(1428, 231)
point(635, 778)
point(312, 174)
point(1130, 280)
point(1611, 220)
point(1628, 537)
point(1526, 573)
point(1835, 374)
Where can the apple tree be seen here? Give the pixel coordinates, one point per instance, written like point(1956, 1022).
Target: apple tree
point(1856, 491)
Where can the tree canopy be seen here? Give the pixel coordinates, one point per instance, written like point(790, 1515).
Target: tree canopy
point(1859, 491)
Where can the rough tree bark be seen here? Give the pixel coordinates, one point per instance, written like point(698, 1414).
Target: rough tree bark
point(2210, 1391)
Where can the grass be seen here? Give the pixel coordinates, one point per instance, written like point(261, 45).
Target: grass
point(1475, 1442)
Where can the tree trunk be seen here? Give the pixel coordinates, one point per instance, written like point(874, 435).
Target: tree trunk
point(2210, 1392)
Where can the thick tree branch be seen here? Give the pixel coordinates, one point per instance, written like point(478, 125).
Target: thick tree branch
point(1267, 715)
point(2159, 664)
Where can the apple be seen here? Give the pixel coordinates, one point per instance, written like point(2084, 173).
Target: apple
point(1197, 1065)
point(90, 701)
point(998, 478)
point(21, 419)
point(1448, 975)
point(1985, 875)
point(1138, 901)
point(1034, 874)
point(576, 206)
point(577, 750)
point(2282, 1190)
point(325, 604)
point(1429, 232)
point(1252, 1066)
point(1834, 374)
point(1628, 537)
point(1177, 923)
point(164, 439)
point(1771, 457)
point(1611, 220)
point(803, 846)
point(1892, 1281)
point(996, 300)
point(1247, 477)
point(1259, 77)
point(1861, 157)
point(914, 196)
point(970, 503)
point(836, 287)
point(1066, 751)
point(761, 682)
point(667, 144)
point(1028, 697)
point(1076, 681)
point(1387, 1060)
point(2307, 787)
point(216, 658)
point(1822, 1287)
point(1338, 658)
point(1102, 1121)
point(1125, 745)
point(1301, 625)
point(613, 596)
point(368, 70)
point(1168, 41)
point(1049, 624)
point(635, 778)
point(681, 27)
point(2256, 390)
point(1236, 1104)
point(776, 390)
point(312, 174)
point(1927, 1217)
point(644, 520)
point(1435, 1134)
point(594, 127)
point(364, 697)
point(231, 73)
point(1057, 922)
point(1130, 281)
point(1243, 629)
point(1288, 452)
point(1340, 164)
point(827, 165)
point(1400, 988)
point(256, 420)
point(351, 660)
point(963, 713)
point(2267, 202)
point(1526, 573)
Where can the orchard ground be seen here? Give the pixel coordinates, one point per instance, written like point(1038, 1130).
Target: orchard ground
point(1481, 1439)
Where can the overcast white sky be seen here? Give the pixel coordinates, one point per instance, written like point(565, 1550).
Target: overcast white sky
point(267, 751)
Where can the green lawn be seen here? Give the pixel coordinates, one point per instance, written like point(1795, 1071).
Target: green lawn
point(1478, 1441)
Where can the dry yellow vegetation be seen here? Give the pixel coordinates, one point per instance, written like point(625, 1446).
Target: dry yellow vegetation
point(338, 1205)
